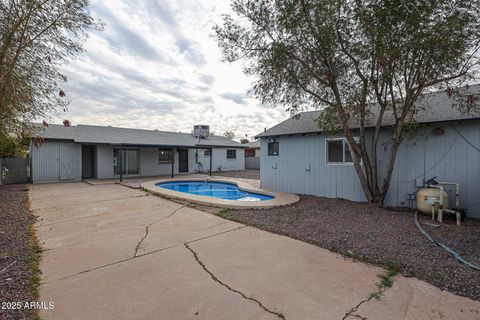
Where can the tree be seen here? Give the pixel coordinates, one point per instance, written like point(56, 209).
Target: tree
point(244, 141)
point(359, 61)
point(229, 134)
point(36, 37)
point(11, 146)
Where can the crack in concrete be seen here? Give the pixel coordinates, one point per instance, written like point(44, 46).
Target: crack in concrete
point(148, 227)
point(128, 185)
point(260, 304)
point(359, 316)
point(375, 295)
point(138, 256)
point(354, 309)
point(216, 234)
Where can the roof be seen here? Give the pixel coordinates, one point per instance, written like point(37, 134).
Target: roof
point(115, 136)
point(253, 144)
point(432, 107)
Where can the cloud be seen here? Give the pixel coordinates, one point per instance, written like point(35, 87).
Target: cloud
point(189, 48)
point(122, 37)
point(156, 66)
point(239, 98)
point(207, 78)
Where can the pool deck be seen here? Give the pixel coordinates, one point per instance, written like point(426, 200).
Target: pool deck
point(111, 252)
point(279, 198)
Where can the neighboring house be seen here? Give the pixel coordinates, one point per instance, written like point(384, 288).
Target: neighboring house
point(297, 157)
point(252, 155)
point(83, 151)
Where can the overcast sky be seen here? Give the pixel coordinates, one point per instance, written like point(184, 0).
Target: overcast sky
point(156, 65)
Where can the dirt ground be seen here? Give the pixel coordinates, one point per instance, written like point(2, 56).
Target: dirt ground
point(378, 236)
point(243, 174)
point(15, 270)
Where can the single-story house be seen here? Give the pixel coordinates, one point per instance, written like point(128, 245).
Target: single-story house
point(84, 151)
point(252, 155)
point(298, 157)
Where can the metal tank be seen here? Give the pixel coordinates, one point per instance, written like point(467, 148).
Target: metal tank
point(426, 197)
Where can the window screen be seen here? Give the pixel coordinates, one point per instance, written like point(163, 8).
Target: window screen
point(165, 155)
point(338, 151)
point(231, 154)
point(335, 151)
point(273, 148)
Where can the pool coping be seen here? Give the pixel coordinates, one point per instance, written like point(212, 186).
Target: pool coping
point(280, 198)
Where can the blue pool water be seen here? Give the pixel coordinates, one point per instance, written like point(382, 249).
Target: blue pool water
point(222, 190)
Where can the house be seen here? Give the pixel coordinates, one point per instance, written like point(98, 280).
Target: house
point(297, 157)
point(252, 155)
point(84, 151)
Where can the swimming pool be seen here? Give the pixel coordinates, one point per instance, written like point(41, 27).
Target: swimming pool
point(221, 190)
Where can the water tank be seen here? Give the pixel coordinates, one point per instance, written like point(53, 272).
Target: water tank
point(428, 196)
point(201, 131)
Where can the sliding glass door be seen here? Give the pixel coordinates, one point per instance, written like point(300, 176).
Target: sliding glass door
point(130, 161)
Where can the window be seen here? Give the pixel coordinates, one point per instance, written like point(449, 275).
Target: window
point(207, 153)
point(273, 148)
point(231, 154)
point(128, 159)
point(165, 155)
point(338, 151)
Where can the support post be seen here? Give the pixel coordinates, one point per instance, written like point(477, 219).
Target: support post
point(120, 161)
point(211, 157)
point(173, 161)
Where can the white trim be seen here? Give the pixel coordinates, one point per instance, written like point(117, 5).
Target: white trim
point(345, 142)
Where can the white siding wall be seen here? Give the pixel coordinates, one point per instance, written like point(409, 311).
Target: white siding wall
point(300, 168)
point(447, 156)
point(149, 165)
point(47, 158)
point(220, 161)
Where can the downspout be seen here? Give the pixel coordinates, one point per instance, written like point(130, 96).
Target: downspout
point(173, 160)
point(211, 157)
point(121, 164)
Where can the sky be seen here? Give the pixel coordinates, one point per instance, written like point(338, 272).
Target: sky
point(156, 65)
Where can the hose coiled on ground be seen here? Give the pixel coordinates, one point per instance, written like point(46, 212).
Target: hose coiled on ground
point(446, 248)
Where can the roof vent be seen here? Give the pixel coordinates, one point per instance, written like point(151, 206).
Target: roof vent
point(201, 131)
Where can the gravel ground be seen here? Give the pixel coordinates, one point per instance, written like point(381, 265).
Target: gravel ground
point(377, 236)
point(14, 248)
point(243, 174)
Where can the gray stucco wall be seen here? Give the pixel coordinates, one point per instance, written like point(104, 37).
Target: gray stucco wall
point(301, 165)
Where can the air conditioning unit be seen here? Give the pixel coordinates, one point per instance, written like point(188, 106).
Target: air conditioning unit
point(201, 131)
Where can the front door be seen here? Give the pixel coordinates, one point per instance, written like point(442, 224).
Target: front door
point(182, 160)
point(87, 161)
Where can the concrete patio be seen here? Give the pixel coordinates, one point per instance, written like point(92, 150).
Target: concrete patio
point(113, 252)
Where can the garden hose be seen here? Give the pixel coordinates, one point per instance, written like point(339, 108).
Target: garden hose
point(446, 248)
